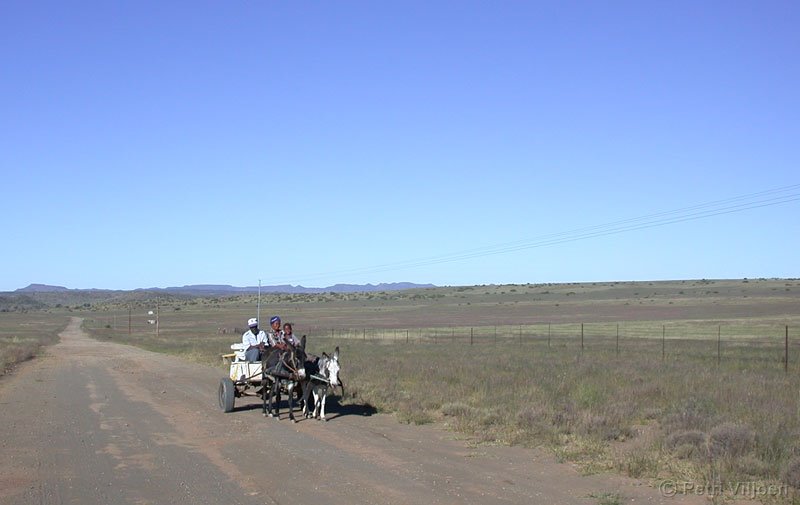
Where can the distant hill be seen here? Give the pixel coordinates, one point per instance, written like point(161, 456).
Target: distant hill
point(215, 289)
point(41, 288)
point(223, 289)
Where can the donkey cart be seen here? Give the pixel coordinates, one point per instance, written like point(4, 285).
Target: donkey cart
point(280, 370)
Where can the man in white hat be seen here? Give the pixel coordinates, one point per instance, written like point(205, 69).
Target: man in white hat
point(255, 340)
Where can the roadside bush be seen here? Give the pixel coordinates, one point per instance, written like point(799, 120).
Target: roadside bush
point(534, 426)
point(589, 395)
point(20, 340)
point(687, 444)
point(751, 466)
point(730, 440)
point(490, 418)
point(457, 409)
point(693, 414)
point(771, 446)
point(694, 438)
point(413, 413)
point(640, 463)
point(565, 416)
point(531, 418)
point(791, 474)
point(12, 354)
point(608, 425)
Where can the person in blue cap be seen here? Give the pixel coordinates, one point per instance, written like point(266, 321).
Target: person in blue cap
point(275, 336)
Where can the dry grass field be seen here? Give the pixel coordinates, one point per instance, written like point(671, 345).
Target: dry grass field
point(663, 380)
point(22, 334)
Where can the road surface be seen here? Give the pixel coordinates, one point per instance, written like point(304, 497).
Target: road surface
point(93, 422)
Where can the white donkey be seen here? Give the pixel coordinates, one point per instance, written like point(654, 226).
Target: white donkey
point(324, 374)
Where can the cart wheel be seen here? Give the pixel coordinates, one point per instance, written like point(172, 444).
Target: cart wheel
point(226, 394)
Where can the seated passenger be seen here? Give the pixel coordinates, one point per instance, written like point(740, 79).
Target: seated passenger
point(289, 337)
point(275, 337)
point(255, 341)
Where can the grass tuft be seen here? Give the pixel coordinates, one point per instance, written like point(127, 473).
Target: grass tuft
point(607, 498)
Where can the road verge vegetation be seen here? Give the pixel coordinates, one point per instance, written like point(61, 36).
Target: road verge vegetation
point(22, 334)
point(640, 415)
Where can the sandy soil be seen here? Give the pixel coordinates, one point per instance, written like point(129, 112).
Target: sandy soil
point(98, 422)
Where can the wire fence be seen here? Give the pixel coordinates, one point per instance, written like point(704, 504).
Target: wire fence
point(765, 343)
point(769, 344)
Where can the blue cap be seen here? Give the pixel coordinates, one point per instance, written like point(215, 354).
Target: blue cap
point(274, 319)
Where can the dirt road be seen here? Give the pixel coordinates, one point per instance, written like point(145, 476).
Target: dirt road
point(97, 422)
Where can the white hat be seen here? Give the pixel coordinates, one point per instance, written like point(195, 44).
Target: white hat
point(252, 322)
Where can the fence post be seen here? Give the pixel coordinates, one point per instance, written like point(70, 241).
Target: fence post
point(406, 336)
point(470, 336)
point(719, 344)
point(520, 334)
point(786, 351)
point(548, 334)
point(581, 336)
point(495, 335)
point(617, 339)
point(663, 342)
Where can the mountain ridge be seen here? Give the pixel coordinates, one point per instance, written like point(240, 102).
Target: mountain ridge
point(226, 289)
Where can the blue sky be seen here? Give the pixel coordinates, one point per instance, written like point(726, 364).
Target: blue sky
point(169, 143)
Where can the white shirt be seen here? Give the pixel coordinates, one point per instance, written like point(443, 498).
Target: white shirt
point(249, 339)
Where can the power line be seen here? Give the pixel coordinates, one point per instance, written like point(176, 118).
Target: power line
point(767, 198)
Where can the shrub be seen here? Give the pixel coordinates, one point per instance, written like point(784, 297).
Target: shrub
point(640, 463)
point(490, 418)
point(752, 466)
point(692, 438)
point(598, 425)
point(15, 354)
point(730, 439)
point(791, 474)
point(589, 395)
point(415, 417)
point(532, 417)
point(689, 451)
point(457, 409)
point(565, 417)
point(693, 414)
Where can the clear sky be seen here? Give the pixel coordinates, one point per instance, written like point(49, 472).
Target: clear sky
point(154, 144)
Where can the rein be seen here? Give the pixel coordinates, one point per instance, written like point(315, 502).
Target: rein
point(320, 378)
point(289, 366)
point(323, 375)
